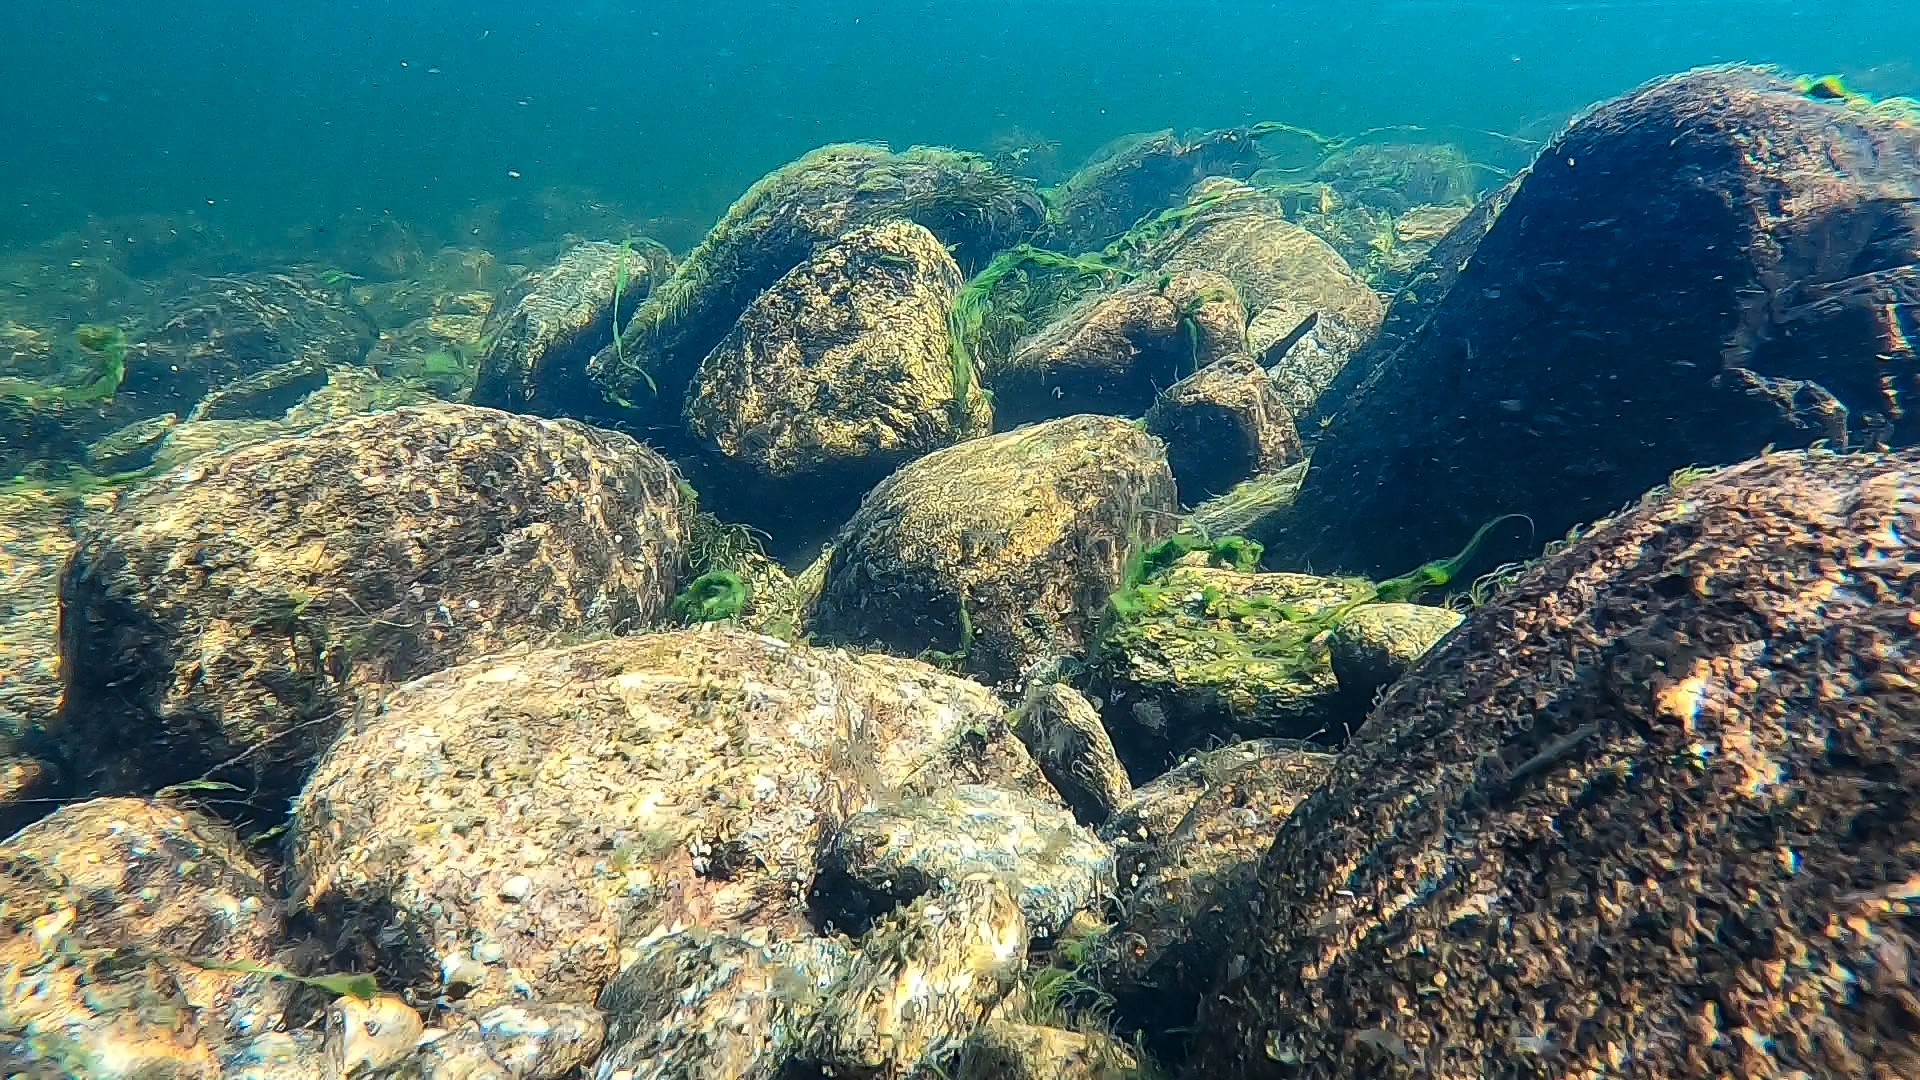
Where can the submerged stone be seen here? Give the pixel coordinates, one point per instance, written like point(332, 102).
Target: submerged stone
point(1063, 731)
point(1223, 424)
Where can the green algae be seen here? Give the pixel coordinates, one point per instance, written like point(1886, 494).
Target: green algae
point(715, 596)
point(106, 346)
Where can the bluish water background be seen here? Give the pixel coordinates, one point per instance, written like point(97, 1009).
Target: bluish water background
point(264, 115)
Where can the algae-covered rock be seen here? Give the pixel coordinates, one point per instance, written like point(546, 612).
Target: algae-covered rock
point(1111, 352)
point(925, 978)
point(841, 367)
point(697, 1004)
point(885, 857)
point(1653, 805)
point(106, 902)
point(1211, 653)
point(1003, 1050)
point(960, 197)
point(539, 813)
point(1003, 549)
point(1135, 176)
point(230, 328)
point(235, 608)
point(1399, 176)
point(1181, 919)
point(519, 1041)
point(1709, 265)
point(540, 336)
point(1063, 731)
point(1256, 509)
point(36, 538)
point(1377, 643)
point(1223, 424)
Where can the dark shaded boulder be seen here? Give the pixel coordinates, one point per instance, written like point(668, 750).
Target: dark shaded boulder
point(1223, 424)
point(1064, 733)
point(1137, 175)
point(960, 197)
point(1376, 644)
point(1002, 550)
point(836, 375)
point(540, 336)
point(1653, 806)
point(1712, 264)
point(228, 614)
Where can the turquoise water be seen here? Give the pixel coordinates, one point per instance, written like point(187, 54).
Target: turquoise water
point(271, 118)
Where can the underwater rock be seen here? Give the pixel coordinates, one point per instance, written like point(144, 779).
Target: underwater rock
point(1137, 175)
point(838, 373)
point(1182, 916)
point(107, 901)
point(885, 857)
point(520, 1041)
point(1709, 265)
point(697, 1004)
point(1000, 550)
point(265, 394)
point(36, 538)
point(960, 197)
point(237, 607)
point(131, 447)
point(1063, 732)
point(1223, 424)
point(541, 335)
point(1003, 1050)
point(1255, 509)
point(28, 787)
point(540, 812)
point(1375, 644)
point(275, 1055)
point(1399, 176)
point(367, 1036)
point(1110, 353)
point(1216, 654)
point(230, 328)
point(925, 978)
point(1682, 780)
point(1140, 827)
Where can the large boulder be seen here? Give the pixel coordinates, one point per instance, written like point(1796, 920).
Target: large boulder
point(1002, 549)
point(775, 226)
point(838, 373)
point(1712, 264)
point(228, 614)
point(508, 827)
point(114, 909)
point(539, 337)
point(1652, 810)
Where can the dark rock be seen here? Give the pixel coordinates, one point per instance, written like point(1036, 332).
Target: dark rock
point(1003, 1050)
point(1375, 644)
point(1004, 549)
point(541, 335)
point(1223, 424)
point(229, 613)
point(1712, 264)
point(1184, 915)
point(1064, 733)
point(960, 197)
point(1652, 805)
point(1138, 175)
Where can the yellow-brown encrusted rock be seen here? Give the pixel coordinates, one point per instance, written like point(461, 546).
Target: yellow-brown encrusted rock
point(102, 905)
point(1649, 814)
point(842, 365)
point(1003, 1050)
point(1063, 731)
point(236, 608)
point(1003, 549)
point(513, 824)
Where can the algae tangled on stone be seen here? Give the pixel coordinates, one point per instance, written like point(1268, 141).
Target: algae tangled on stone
point(715, 596)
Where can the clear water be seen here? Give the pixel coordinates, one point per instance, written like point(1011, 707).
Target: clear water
point(278, 117)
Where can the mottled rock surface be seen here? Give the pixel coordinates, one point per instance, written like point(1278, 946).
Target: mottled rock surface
point(1651, 806)
point(1134, 176)
point(887, 856)
point(842, 365)
point(1002, 1050)
point(1377, 643)
point(1112, 351)
point(539, 813)
point(36, 538)
point(697, 1004)
point(926, 976)
point(1063, 731)
point(105, 901)
point(239, 606)
point(1216, 654)
point(1709, 265)
point(968, 204)
point(1182, 915)
point(1003, 548)
point(541, 335)
point(1223, 424)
